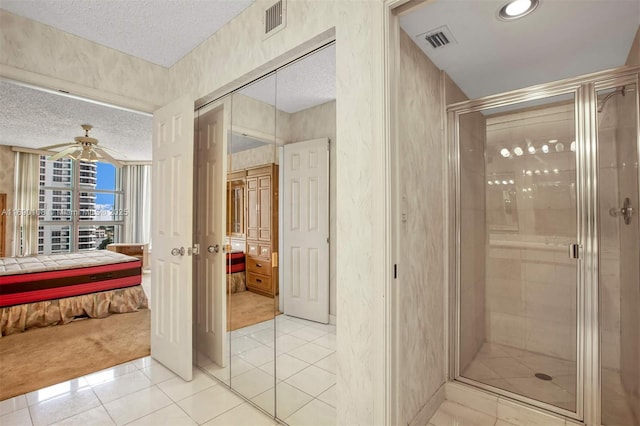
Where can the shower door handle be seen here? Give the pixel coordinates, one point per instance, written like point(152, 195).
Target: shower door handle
point(626, 211)
point(574, 251)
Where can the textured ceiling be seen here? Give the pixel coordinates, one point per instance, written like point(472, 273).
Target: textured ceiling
point(303, 84)
point(560, 39)
point(34, 118)
point(159, 31)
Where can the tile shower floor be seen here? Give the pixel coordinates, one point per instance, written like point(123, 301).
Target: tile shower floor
point(514, 370)
point(305, 368)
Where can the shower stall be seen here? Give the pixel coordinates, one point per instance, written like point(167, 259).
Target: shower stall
point(546, 288)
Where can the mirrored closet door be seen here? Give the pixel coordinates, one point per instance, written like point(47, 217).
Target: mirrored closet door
point(306, 341)
point(272, 292)
point(251, 241)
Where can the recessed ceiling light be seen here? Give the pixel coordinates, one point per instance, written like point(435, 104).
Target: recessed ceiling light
point(517, 9)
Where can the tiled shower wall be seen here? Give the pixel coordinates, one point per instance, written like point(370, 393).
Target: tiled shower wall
point(531, 282)
point(629, 268)
point(609, 238)
point(630, 273)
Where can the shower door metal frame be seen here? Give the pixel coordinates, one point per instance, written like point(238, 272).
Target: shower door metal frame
point(584, 88)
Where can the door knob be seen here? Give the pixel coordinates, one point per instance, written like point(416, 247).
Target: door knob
point(177, 251)
point(213, 249)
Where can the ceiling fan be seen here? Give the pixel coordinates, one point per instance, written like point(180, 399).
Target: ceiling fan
point(84, 148)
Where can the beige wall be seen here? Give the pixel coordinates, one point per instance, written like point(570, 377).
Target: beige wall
point(421, 235)
point(361, 266)
point(252, 157)
point(7, 186)
point(234, 55)
point(253, 115)
point(36, 53)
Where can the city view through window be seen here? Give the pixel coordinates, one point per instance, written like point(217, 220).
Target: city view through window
point(80, 206)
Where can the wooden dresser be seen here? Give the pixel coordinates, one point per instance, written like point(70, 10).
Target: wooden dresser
point(262, 229)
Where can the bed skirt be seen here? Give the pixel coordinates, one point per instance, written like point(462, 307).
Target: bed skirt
point(15, 319)
point(236, 282)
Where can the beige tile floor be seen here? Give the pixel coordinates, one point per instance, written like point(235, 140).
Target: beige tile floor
point(453, 414)
point(304, 368)
point(141, 392)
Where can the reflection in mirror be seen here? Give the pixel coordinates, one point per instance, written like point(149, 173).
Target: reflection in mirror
point(306, 339)
point(252, 241)
point(502, 207)
point(279, 227)
point(209, 225)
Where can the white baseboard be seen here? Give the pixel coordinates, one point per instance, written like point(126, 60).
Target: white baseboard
point(332, 319)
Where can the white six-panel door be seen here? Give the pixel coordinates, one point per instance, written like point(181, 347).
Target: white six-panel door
point(211, 312)
point(172, 232)
point(305, 223)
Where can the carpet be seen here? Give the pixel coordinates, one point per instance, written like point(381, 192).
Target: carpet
point(247, 308)
point(45, 356)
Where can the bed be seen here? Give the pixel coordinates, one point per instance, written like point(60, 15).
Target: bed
point(236, 272)
point(46, 290)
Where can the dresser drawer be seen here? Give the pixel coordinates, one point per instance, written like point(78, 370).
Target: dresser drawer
point(259, 282)
point(257, 249)
point(259, 266)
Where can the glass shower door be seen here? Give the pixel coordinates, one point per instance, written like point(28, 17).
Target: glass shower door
point(517, 283)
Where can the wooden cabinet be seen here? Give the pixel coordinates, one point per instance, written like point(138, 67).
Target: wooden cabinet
point(141, 251)
point(262, 229)
point(235, 204)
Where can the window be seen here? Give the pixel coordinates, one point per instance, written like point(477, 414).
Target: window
point(80, 206)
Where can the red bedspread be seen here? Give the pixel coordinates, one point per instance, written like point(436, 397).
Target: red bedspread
point(46, 285)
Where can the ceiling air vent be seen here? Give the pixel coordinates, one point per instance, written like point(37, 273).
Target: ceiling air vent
point(274, 18)
point(437, 38)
